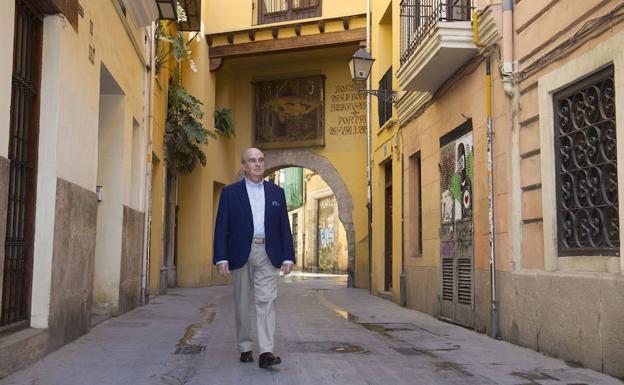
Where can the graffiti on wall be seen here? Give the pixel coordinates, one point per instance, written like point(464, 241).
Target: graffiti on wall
point(327, 257)
point(456, 160)
point(456, 231)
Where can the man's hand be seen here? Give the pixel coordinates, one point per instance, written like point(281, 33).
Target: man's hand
point(287, 268)
point(223, 269)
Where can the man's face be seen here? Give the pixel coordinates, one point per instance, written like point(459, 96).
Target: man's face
point(254, 163)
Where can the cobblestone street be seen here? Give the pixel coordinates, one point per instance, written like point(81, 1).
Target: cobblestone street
point(326, 334)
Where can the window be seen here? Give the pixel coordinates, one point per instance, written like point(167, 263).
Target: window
point(385, 106)
point(273, 11)
point(415, 206)
point(586, 167)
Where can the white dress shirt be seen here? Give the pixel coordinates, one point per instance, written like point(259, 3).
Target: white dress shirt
point(255, 193)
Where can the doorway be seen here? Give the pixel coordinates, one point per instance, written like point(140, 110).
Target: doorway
point(110, 192)
point(169, 268)
point(23, 145)
point(277, 159)
point(456, 235)
point(388, 227)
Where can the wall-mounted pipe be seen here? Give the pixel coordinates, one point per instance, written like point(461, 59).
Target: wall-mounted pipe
point(369, 199)
point(147, 203)
point(403, 277)
point(508, 47)
point(494, 328)
point(490, 165)
point(475, 29)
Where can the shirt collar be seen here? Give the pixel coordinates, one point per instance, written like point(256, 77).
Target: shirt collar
point(251, 183)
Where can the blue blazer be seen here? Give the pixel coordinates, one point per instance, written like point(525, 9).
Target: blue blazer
point(234, 226)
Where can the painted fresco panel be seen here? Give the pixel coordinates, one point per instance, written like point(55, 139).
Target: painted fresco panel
point(289, 112)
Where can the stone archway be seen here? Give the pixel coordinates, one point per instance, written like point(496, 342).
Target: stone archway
point(277, 159)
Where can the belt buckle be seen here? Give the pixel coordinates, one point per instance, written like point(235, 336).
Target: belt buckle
point(258, 240)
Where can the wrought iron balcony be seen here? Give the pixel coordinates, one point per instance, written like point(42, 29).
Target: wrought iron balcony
point(274, 11)
point(436, 40)
point(419, 17)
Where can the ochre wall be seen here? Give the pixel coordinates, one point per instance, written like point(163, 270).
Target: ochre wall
point(240, 14)
point(230, 87)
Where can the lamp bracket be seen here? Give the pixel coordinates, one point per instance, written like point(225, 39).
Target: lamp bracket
point(385, 95)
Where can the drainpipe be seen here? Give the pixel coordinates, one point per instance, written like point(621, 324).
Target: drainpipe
point(508, 47)
point(490, 165)
point(402, 278)
point(149, 87)
point(369, 199)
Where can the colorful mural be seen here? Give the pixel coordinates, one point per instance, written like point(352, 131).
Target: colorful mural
point(456, 160)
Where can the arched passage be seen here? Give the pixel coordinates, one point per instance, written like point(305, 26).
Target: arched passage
point(277, 159)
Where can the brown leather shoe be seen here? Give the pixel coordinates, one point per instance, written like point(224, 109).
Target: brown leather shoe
point(268, 359)
point(246, 357)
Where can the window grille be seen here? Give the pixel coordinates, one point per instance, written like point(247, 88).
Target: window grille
point(385, 106)
point(586, 167)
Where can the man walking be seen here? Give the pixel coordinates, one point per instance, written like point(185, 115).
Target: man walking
point(253, 240)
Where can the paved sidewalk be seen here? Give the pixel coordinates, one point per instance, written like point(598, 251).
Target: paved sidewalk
point(327, 334)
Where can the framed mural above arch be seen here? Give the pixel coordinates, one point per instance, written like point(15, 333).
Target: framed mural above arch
point(289, 112)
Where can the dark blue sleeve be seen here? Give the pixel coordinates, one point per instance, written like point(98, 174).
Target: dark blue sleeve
point(288, 249)
point(221, 230)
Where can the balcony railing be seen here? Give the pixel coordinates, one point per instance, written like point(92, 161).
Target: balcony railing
point(418, 17)
point(274, 11)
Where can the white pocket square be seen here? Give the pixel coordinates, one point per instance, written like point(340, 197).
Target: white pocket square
point(275, 203)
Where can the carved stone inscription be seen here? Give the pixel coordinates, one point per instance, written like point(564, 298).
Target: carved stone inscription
point(346, 111)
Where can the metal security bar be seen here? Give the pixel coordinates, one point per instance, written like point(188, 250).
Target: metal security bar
point(384, 104)
point(586, 157)
point(273, 11)
point(17, 274)
point(418, 17)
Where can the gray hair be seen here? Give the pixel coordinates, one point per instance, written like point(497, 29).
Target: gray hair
point(243, 160)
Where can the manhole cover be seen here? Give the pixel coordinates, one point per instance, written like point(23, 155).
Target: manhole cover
point(326, 347)
point(190, 349)
point(347, 349)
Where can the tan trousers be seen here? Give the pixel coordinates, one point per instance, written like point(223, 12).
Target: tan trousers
point(257, 278)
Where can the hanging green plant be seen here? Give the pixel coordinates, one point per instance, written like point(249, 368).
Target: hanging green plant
point(184, 131)
point(223, 121)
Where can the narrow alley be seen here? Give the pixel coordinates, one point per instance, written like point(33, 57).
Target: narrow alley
point(326, 334)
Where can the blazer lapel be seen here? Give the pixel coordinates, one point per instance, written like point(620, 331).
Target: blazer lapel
point(244, 197)
point(266, 204)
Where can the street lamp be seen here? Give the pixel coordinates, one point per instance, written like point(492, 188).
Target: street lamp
point(360, 66)
point(167, 9)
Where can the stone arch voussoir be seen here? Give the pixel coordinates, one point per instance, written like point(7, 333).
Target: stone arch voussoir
point(277, 159)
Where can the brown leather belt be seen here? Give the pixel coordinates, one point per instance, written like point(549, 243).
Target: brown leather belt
point(257, 240)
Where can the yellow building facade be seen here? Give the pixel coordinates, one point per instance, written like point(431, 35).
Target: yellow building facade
point(478, 216)
point(278, 77)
